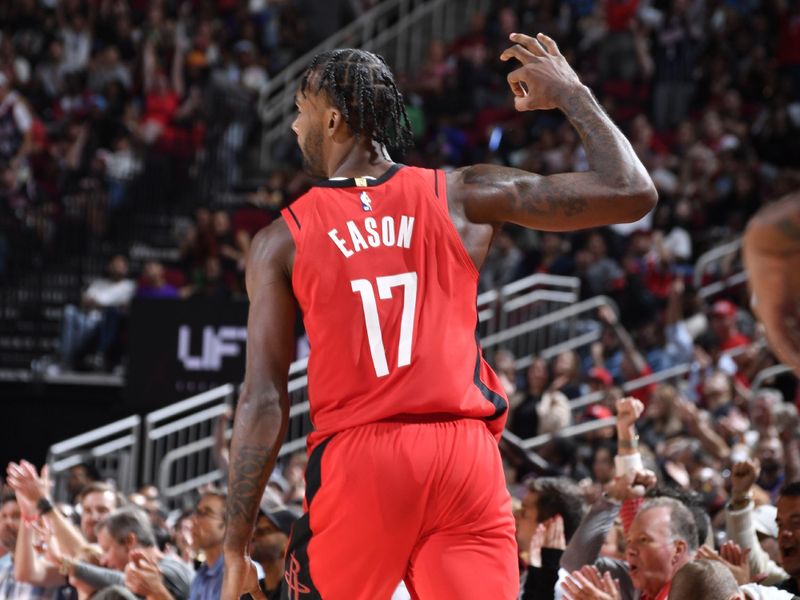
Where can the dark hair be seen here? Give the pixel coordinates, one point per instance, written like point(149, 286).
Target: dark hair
point(791, 489)
point(558, 496)
point(163, 538)
point(9, 497)
point(361, 85)
point(91, 469)
point(124, 521)
point(682, 524)
point(691, 500)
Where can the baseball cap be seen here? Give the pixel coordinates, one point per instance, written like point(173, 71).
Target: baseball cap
point(723, 308)
point(283, 519)
point(764, 520)
point(598, 411)
point(601, 375)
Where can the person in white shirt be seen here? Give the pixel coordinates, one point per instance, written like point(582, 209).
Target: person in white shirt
point(102, 307)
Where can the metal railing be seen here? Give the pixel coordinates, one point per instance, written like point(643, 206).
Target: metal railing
point(178, 451)
point(168, 431)
point(632, 385)
point(555, 330)
point(719, 269)
point(766, 374)
point(112, 449)
point(399, 30)
point(568, 432)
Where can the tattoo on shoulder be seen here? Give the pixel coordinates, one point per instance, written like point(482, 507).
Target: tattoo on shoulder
point(534, 195)
point(246, 473)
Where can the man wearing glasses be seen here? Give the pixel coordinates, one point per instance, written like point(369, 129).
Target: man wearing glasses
point(208, 533)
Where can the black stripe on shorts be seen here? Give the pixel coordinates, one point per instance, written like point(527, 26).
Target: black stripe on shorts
point(297, 576)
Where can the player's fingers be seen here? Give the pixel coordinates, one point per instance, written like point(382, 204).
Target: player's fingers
point(519, 52)
point(530, 43)
point(516, 81)
point(549, 44)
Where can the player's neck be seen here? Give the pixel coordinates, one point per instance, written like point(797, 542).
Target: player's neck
point(360, 160)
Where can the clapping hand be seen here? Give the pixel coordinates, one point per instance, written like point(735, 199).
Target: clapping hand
point(549, 534)
point(733, 557)
point(142, 576)
point(29, 486)
point(588, 584)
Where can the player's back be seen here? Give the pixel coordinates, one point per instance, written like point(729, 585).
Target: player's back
point(388, 294)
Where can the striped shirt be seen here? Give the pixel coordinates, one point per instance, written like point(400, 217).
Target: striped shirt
point(11, 589)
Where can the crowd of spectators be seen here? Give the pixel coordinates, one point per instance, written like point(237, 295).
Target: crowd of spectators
point(100, 98)
point(100, 544)
point(110, 105)
point(695, 487)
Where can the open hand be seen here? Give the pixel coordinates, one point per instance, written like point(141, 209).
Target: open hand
point(28, 485)
point(142, 576)
point(733, 557)
point(588, 584)
point(554, 533)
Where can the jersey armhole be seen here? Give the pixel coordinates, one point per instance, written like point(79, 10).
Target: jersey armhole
point(293, 223)
point(440, 191)
point(440, 188)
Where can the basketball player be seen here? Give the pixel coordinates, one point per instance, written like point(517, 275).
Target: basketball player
point(404, 479)
point(772, 258)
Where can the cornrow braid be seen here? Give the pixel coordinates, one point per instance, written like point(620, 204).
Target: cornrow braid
point(361, 86)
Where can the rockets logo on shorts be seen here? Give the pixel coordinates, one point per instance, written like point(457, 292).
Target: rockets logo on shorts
point(366, 202)
point(292, 577)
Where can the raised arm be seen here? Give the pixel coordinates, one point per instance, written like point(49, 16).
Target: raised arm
point(772, 259)
point(35, 488)
point(616, 189)
point(263, 410)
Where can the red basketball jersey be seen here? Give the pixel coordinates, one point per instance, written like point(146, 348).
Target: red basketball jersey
point(388, 294)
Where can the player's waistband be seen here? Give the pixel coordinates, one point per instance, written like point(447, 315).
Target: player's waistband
point(423, 418)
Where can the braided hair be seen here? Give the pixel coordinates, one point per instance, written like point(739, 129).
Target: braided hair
point(361, 86)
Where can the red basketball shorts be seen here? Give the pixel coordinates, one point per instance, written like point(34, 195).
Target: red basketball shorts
point(424, 502)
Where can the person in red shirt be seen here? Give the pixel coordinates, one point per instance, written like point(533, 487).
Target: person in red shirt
point(661, 539)
point(404, 478)
point(723, 324)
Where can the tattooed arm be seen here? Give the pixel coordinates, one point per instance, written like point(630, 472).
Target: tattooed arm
point(263, 409)
point(617, 187)
point(772, 259)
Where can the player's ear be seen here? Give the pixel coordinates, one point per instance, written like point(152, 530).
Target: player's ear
point(336, 126)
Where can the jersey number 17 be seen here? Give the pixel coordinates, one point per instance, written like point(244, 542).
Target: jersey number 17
point(364, 288)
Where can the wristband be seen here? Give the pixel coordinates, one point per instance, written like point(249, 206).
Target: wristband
point(740, 503)
point(44, 506)
point(629, 463)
